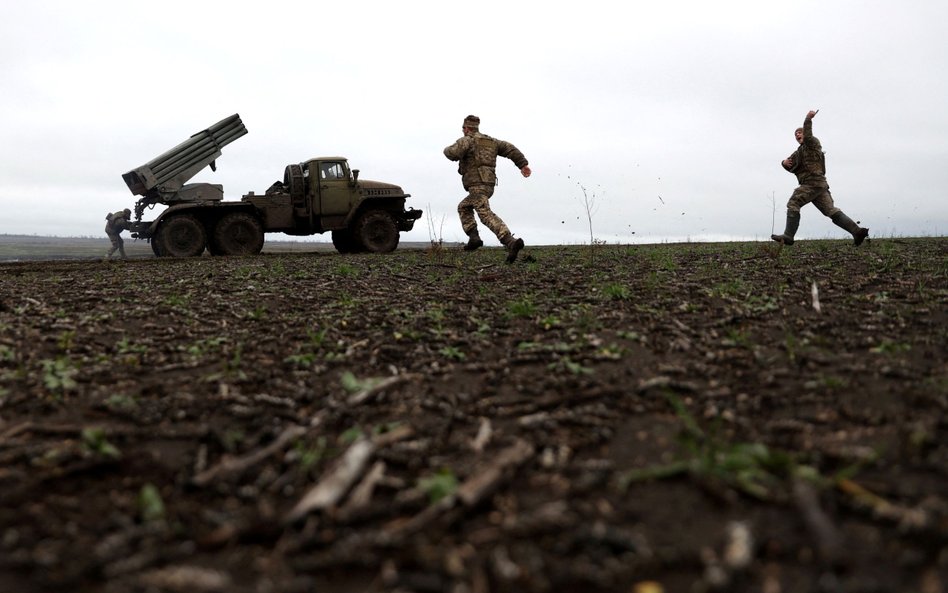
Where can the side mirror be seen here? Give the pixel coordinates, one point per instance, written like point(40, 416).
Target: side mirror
point(355, 176)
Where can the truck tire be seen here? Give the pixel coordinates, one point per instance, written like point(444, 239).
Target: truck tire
point(154, 247)
point(180, 235)
point(377, 231)
point(344, 242)
point(237, 233)
point(295, 183)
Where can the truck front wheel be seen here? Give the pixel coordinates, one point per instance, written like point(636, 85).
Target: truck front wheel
point(344, 242)
point(181, 235)
point(377, 231)
point(238, 233)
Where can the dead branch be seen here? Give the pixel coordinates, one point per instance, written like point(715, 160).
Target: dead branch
point(359, 397)
point(486, 480)
point(482, 483)
point(362, 493)
point(186, 579)
point(483, 436)
point(393, 436)
point(908, 519)
point(235, 466)
point(336, 482)
point(71, 430)
point(829, 541)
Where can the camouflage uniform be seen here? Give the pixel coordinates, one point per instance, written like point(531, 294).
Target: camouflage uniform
point(477, 154)
point(117, 222)
point(808, 163)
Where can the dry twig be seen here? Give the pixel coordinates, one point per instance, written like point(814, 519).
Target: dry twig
point(235, 466)
point(337, 481)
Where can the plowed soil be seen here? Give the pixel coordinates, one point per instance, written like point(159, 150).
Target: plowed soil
point(687, 417)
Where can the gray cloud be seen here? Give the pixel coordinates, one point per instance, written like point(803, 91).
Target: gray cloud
point(675, 115)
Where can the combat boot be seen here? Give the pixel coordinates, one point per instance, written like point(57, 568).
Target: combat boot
point(513, 248)
point(473, 241)
point(846, 223)
point(793, 223)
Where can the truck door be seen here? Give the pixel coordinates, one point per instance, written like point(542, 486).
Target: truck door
point(335, 195)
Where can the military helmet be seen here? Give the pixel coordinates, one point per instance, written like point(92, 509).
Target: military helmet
point(127, 212)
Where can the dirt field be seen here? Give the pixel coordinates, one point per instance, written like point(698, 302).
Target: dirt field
point(33, 248)
point(689, 417)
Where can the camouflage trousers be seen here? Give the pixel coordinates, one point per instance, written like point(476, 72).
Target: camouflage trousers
point(820, 196)
point(478, 200)
point(117, 243)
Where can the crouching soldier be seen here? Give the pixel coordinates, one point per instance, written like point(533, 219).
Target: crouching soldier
point(115, 223)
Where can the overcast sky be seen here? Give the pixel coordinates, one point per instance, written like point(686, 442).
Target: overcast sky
point(674, 116)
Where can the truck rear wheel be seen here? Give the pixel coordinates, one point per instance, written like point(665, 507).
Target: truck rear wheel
point(377, 231)
point(344, 242)
point(181, 235)
point(238, 233)
point(154, 247)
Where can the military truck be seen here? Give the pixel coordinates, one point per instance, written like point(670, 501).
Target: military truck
point(318, 195)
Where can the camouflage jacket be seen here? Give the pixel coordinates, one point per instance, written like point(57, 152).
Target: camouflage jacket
point(115, 223)
point(808, 162)
point(477, 154)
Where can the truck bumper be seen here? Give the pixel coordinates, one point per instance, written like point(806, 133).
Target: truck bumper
point(408, 218)
point(140, 229)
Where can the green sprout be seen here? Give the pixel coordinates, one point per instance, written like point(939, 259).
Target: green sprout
point(151, 507)
point(94, 442)
point(59, 375)
point(440, 485)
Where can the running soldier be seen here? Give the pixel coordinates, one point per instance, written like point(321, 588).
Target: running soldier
point(477, 155)
point(116, 222)
point(808, 163)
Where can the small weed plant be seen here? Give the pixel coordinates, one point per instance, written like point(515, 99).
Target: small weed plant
point(750, 468)
point(151, 507)
point(7, 354)
point(353, 384)
point(440, 485)
point(345, 270)
point(568, 365)
point(890, 347)
point(351, 435)
point(524, 308)
point(310, 455)
point(176, 301)
point(59, 375)
point(452, 353)
point(95, 443)
point(67, 340)
point(204, 346)
point(617, 292)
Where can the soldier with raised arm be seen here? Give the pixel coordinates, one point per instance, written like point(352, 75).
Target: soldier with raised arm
point(808, 163)
point(477, 154)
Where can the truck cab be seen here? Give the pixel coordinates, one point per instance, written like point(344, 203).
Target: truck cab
point(323, 194)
